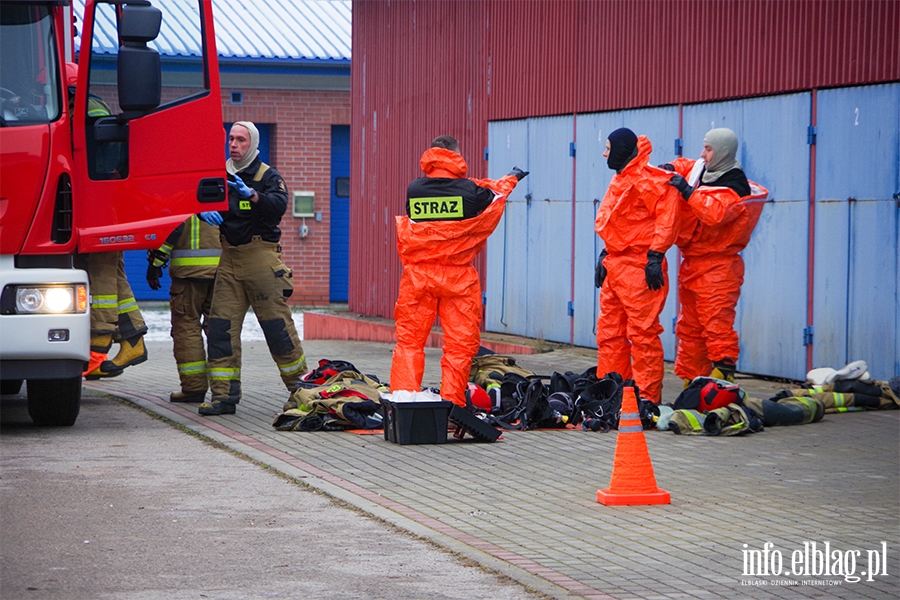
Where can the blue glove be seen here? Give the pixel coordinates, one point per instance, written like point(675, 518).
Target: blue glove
point(240, 187)
point(212, 217)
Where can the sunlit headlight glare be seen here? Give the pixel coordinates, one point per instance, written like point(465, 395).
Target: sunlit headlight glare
point(59, 299)
point(29, 300)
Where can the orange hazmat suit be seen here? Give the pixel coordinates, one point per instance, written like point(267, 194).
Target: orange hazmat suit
point(639, 212)
point(439, 280)
point(716, 226)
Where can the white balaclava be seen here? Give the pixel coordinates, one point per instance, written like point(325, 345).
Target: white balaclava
point(235, 167)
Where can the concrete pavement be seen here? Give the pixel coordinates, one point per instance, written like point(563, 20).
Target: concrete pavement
point(123, 506)
point(526, 506)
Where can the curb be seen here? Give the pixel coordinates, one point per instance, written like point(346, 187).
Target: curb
point(322, 326)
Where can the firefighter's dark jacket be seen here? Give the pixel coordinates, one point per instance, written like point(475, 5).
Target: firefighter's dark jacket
point(444, 192)
point(246, 219)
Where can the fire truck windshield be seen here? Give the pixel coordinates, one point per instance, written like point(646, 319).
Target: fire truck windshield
point(30, 91)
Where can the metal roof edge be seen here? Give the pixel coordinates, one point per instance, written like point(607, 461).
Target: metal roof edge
point(268, 66)
point(307, 62)
point(336, 68)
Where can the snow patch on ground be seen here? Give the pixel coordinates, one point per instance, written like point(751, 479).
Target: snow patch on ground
point(159, 325)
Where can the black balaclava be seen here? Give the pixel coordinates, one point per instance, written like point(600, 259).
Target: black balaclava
point(622, 148)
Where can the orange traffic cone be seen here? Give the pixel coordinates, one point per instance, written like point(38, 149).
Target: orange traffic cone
point(632, 480)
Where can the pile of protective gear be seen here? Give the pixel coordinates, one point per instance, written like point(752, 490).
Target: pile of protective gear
point(516, 399)
point(847, 395)
point(335, 396)
point(711, 406)
point(848, 389)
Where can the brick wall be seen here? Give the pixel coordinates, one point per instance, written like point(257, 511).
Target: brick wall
point(300, 148)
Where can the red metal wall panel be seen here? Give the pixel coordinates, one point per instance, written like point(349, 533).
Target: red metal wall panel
point(564, 57)
point(419, 72)
point(425, 68)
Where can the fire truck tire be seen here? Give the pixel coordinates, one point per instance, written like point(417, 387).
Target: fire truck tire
point(10, 386)
point(54, 402)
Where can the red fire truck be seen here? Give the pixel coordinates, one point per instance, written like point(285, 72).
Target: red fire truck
point(58, 198)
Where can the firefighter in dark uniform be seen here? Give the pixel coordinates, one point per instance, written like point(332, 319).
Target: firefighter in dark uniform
point(192, 254)
point(251, 274)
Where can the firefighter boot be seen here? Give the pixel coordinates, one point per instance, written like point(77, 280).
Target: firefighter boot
point(723, 369)
point(187, 396)
point(217, 407)
point(100, 343)
point(131, 352)
point(687, 382)
point(94, 371)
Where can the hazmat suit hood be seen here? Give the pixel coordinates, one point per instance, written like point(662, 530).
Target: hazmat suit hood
point(628, 218)
point(724, 143)
point(440, 162)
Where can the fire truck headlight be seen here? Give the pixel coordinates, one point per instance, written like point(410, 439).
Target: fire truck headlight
point(59, 299)
point(29, 300)
point(48, 300)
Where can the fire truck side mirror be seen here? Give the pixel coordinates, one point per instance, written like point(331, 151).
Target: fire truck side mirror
point(139, 72)
point(139, 23)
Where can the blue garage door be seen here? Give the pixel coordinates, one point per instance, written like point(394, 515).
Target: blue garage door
point(340, 213)
point(856, 314)
point(533, 286)
point(771, 313)
point(531, 248)
point(507, 248)
point(136, 260)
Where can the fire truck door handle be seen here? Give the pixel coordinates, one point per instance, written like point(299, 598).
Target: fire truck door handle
point(211, 189)
point(110, 129)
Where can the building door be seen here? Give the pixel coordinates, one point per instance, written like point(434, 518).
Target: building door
point(340, 213)
point(136, 260)
point(857, 271)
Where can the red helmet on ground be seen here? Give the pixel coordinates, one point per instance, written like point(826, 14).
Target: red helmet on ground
point(717, 394)
point(479, 397)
